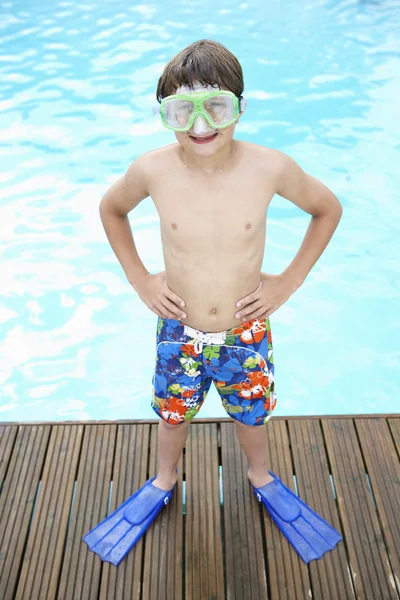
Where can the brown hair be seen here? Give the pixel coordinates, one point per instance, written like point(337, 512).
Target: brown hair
point(205, 61)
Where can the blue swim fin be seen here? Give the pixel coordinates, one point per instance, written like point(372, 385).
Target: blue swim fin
point(308, 533)
point(113, 538)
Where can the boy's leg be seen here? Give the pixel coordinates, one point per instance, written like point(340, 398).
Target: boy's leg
point(171, 441)
point(253, 441)
point(245, 366)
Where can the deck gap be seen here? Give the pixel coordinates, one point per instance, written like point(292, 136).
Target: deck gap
point(220, 479)
point(327, 458)
point(183, 497)
point(260, 508)
point(142, 564)
point(221, 514)
point(184, 556)
point(290, 448)
point(184, 517)
point(393, 440)
point(112, 472)
point(219, 449)
point(296, 489)
point(110, 490)
point(221, 486)
point(333, 486)
point(370, 490)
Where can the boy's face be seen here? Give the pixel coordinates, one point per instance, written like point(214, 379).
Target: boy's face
point(202, 139)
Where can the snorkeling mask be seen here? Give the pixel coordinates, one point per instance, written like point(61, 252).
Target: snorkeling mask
point(220, 108)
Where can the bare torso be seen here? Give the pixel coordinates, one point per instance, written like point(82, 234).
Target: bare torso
point(213, 231)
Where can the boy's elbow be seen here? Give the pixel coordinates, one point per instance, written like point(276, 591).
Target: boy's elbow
point(113, 201)
point(338, 208)
point(334, 206)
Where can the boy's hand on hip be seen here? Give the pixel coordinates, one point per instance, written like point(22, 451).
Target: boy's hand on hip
point(157, 296)
point(272, 292)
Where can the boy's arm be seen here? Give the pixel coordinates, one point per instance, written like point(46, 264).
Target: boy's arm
point(312, 196)
point(123, 195)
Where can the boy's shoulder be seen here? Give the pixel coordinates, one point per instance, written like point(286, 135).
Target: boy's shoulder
point(260, 152)
point(267, 162)
point(152, 160)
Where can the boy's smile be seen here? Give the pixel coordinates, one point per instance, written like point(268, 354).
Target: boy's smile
point(205, 139)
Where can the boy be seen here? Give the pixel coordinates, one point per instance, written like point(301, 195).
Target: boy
point(212, 194)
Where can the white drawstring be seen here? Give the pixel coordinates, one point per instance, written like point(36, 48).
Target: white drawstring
point(198, 346)
point(201, 338)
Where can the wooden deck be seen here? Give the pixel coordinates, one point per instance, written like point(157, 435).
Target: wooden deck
point(214, 540)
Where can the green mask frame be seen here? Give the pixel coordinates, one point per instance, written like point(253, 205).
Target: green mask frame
point(198, 99)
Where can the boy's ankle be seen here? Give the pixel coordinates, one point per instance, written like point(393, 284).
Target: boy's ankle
point(165, 481)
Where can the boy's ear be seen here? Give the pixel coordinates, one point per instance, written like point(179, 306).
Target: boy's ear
point(242, 106)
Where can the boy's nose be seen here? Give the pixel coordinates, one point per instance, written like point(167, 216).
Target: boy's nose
point(200, 126)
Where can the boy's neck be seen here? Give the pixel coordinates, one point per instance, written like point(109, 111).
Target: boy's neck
point(221, 161)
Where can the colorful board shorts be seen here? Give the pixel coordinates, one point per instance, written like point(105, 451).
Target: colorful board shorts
point(239, 361)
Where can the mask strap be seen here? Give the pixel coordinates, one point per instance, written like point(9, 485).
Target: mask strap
point(242, 103)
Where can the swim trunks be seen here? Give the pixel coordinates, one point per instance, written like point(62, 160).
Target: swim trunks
point(239, 361)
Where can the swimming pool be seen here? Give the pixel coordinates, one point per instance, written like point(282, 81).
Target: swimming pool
point(78, 84)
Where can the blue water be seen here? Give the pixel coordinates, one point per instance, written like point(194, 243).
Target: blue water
point(77, 83)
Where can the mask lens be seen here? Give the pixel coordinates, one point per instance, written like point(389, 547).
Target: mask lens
point(220, 108)
point(177, 112)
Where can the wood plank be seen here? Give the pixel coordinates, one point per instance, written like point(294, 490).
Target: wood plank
point(369, 561)
point(8, 434)
point(81, 569)
point(383, 468)
point(17, 501)
point(288, 574)
point(203, 540)
point(244, 555)
point(42, 555)
point(130, 472)
point(330, 575)
point(44, 551)
point(163, 554)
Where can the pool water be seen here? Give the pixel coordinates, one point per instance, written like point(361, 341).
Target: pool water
point(77, 87)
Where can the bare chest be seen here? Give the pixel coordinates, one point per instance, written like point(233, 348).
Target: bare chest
point(222, 211)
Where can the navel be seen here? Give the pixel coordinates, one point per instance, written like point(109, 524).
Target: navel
point(174, 226)
point(213, 311)
point(248, 225)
